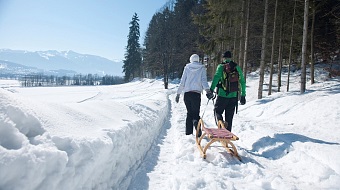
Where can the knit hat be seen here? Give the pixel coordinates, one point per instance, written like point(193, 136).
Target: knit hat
point(227, 54)
point(194, 58)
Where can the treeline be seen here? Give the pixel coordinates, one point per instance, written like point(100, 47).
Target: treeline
point(260, 33)
point(52, 80)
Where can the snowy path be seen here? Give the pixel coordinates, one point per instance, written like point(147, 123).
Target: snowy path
point(188, 170)
point(275, 151)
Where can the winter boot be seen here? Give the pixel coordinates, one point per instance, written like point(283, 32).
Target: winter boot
point(195, 122)
point(225, 124)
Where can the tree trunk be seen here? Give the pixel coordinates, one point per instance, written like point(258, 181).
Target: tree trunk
point(304, 48)
point(279, 61)
point(165, 71)
point(235, 37)
point(246, 42)
point(240, 56)
point(273, 52)
point(312, 45)
point(230, 34)
point(291, 46)
point(263, 50)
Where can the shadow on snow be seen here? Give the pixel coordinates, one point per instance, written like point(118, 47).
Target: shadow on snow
point(278, 146)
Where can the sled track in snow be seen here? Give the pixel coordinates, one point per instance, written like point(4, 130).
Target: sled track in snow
point(91, 98)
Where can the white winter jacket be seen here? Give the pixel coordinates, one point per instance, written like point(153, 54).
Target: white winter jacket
point(194, 78)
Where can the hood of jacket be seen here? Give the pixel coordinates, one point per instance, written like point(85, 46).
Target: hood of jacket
point(194, 58)
point(194, 66)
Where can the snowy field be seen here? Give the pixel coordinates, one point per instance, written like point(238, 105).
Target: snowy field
point(131, 136)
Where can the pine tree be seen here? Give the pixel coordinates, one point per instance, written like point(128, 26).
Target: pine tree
point(133, 59)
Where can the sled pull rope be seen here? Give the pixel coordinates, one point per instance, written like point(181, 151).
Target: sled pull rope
point(205, 108)
point(215, 114)
point(208, 103)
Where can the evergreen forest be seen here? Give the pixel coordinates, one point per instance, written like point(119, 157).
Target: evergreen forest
point(261, 34)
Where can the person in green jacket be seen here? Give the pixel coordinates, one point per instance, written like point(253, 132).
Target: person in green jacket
point(227, 99)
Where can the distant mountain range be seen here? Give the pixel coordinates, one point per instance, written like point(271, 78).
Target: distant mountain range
point(57, 63)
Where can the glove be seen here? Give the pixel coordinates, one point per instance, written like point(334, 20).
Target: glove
point(210, 94)
point(177, 98)
point(243, 100)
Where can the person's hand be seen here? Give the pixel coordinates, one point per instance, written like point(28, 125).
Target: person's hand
point(210, 94)
point(243, 100)
point(177, 98)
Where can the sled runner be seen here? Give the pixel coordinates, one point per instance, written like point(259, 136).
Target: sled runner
point(220, 134)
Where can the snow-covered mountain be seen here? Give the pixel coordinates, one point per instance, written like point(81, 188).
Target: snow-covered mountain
point(59, 62)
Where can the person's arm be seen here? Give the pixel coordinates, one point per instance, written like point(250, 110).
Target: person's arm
point(204, 80)
point(183, 79)
point(217, 76)
point(242, 81)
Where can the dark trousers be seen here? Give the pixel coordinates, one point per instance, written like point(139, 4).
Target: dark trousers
point(192, 102)
point(226, 105)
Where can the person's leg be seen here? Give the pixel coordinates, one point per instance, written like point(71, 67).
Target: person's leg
point(229, 111)
point(188, 121)
point(219, 107)
point(196, 106)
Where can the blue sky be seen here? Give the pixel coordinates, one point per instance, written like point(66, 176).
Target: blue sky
point(96, 27)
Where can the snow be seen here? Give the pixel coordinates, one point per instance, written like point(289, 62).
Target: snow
point(132, 136)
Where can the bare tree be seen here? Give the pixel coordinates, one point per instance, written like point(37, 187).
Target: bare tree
point(279, 60)
point(291, 46)
point(246, 41)
point(304, 48)
point(312, 44)
point(273, 52)
point(240, 56)
point(263, 50)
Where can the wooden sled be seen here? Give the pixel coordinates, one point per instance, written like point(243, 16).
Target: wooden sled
point(220, 134)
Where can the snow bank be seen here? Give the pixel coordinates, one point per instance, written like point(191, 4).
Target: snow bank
point(32, 156)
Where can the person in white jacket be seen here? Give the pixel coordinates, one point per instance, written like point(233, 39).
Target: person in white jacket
point(193, 82)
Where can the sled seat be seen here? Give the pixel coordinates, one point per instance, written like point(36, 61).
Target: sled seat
point(220, 134)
